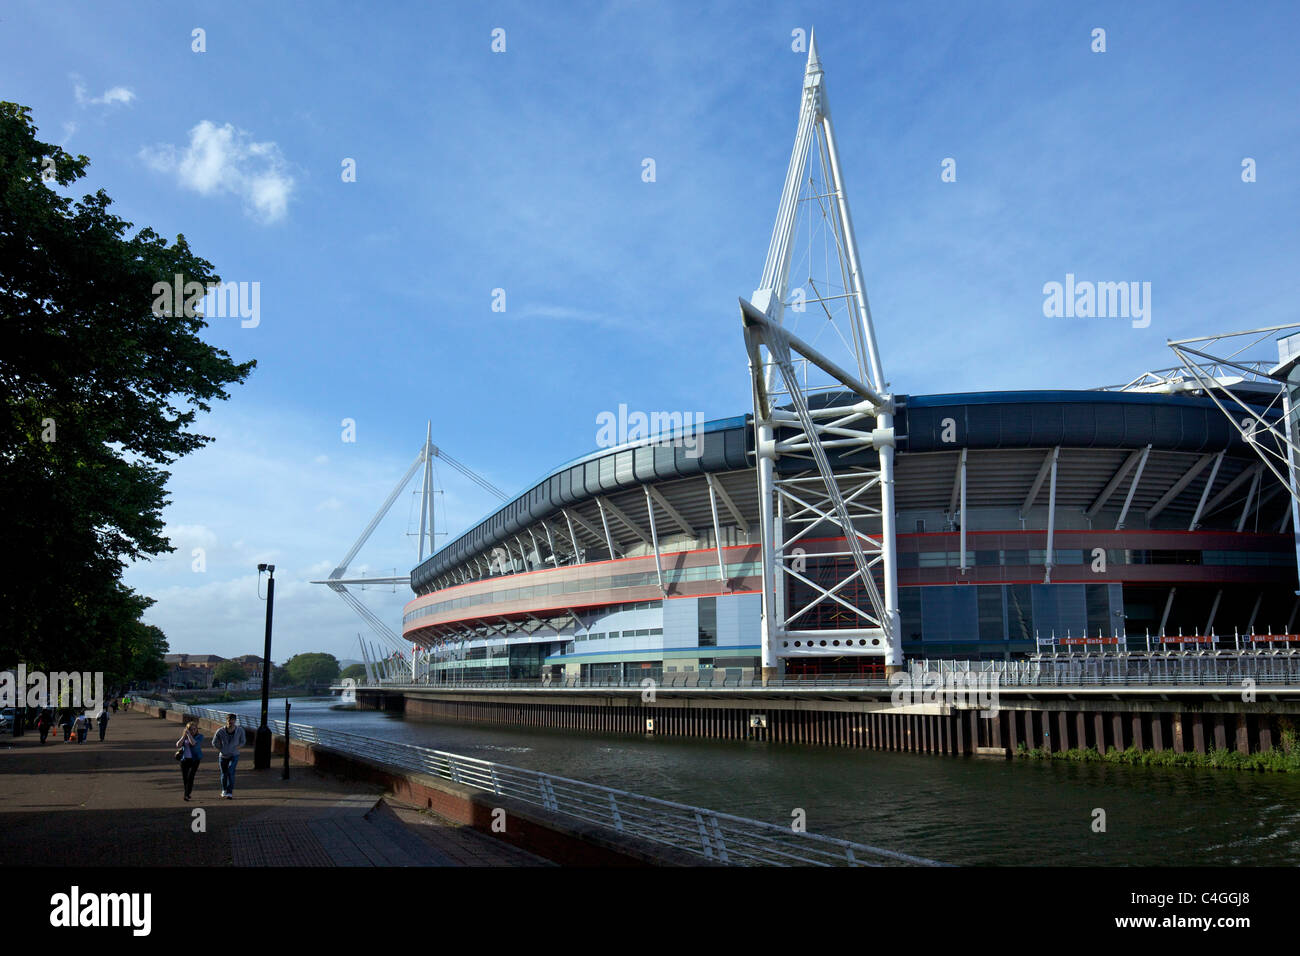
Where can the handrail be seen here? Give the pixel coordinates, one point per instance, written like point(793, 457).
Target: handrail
point(1134, 669)
point(717, 837)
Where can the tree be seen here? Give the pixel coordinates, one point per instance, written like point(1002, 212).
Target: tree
point(355, 671)
point(312, 668)
point(229, 672)
point(98, 390)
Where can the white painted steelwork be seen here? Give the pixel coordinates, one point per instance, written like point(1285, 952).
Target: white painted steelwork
point(850, 412)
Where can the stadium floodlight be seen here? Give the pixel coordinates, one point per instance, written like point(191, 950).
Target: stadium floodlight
point(823, 416)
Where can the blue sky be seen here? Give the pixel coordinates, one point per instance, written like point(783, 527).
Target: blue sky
point(522, 170)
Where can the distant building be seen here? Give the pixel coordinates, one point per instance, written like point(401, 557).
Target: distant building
point(191, 671)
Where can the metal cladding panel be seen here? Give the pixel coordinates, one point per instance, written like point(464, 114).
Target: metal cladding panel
point(644, 468)
point(608, 478)
point(715, 452)
point(624, 473)
point(591, 478)
point(1073, 419)
point(738, 444)
point(1046, 425)
point(665, 461)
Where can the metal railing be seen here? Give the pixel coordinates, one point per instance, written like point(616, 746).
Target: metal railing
point(716, 837)
point(1138, 669)
point(1209, 668)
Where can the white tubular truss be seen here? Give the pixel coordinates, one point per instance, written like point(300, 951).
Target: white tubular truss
point(852, 412)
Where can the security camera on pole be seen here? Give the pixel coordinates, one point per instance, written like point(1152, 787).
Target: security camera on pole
point(262, 746)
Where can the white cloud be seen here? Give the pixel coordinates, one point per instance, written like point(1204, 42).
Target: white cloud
point(113, 96)
point(222, 159)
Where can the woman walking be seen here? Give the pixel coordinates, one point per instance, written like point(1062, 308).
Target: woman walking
point(191, 746)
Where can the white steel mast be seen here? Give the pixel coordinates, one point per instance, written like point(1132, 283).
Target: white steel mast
point(849, 391)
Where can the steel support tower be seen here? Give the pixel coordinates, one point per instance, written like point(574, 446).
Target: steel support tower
point(823, 419)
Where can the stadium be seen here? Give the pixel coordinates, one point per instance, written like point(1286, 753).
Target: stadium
point(643, 560)
point(984, 526)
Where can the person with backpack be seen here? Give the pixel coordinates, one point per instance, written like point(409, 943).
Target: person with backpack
point(82, 726)
point(43, 724)
point(190, 748)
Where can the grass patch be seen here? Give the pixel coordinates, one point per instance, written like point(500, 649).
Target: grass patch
point(1284, 760)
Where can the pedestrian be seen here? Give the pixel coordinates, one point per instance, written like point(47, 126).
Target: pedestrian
point(43, 725)
point(228, 740)
point(103, 722)
point(66, 724)
point(83, 727)
point(115, 705)
point(191, 748)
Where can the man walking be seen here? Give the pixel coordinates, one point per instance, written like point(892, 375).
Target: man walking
point(228, 740)
point(103, 722)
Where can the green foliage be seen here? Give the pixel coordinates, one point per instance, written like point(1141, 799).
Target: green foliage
point(312, 668)
point(355, 671)
point(1275, 761)
point(229, 672)
point(97, 393)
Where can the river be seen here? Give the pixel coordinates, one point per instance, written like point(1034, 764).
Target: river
point(964, 810)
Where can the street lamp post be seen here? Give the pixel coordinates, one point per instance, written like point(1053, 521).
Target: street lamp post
point(262, 746)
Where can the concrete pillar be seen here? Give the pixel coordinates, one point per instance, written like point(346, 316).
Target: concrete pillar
point(1243, 734)
point(1081, 729)
point(959, 728)
point(1177, 720)
point(1117, 731)
point(995, 730)
point(1099, 732)
point(1063, 729)
point(1137, 732)
point(1157, 733)
point(1265, 734)
point(1220, 733)
point(1013, 740)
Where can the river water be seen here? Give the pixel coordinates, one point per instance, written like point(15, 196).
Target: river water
point(965, 810)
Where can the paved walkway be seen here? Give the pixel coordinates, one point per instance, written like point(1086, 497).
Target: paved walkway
point(120, 802)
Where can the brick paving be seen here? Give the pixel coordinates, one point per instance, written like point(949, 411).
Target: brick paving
point(120, 802)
